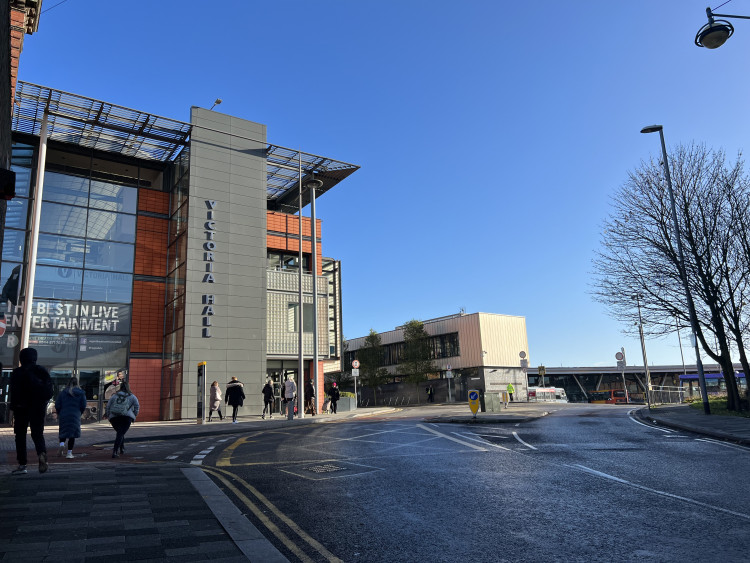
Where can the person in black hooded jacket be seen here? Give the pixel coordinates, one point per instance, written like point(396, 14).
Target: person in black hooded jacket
point(234, 396)
point(30, 391)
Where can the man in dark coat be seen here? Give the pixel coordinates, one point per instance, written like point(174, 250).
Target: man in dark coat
point(335, 396)
point(30, 391)
point(234, 396)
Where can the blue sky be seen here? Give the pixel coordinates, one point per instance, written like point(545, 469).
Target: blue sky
point(491, 134)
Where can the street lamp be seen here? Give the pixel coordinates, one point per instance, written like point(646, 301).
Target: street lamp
point(715, 33)
point(643, 349)
point(683, 273)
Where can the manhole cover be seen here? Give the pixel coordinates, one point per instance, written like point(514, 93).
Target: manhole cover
point(326, 468)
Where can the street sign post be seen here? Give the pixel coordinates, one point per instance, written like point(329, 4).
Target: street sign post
point(201, 390)
point(474, 401)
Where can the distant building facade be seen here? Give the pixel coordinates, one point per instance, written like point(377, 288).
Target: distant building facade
point(471, 351)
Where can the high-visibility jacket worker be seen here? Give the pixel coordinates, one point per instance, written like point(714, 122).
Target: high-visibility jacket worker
point(510, 390)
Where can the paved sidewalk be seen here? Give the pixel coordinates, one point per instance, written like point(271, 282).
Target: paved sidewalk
point(684, 417)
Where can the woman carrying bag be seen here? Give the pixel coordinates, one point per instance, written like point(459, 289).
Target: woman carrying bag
point(122, 410)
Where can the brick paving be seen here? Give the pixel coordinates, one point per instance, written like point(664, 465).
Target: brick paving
point(114, 512)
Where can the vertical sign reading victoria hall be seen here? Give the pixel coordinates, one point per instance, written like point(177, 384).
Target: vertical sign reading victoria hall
point(208, 257)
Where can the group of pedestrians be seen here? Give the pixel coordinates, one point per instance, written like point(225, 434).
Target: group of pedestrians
point(31, 389)
point(234, 396)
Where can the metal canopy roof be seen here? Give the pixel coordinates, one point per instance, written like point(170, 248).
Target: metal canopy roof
point(108, 127)
point(98, 125)
point(283, 176)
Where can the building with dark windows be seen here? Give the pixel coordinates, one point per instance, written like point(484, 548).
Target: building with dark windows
point(483, 351)
point(150, 245)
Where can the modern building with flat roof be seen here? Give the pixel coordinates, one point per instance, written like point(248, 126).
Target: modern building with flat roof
point(476, 351)
point(151, 245)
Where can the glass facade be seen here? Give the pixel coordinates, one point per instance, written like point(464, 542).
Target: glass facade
point(174, 329)
point(83, 290)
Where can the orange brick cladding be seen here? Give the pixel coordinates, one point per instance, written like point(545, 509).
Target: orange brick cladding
point(283, 234)
point(147, 329)
point(151, 246)
point(145, 382)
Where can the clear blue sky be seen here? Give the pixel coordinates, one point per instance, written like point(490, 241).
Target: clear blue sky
point(491, 134)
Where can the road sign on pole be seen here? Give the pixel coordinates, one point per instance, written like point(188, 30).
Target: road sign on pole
point(355, 364)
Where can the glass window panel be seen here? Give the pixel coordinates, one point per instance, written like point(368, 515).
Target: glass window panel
point(55, 351)
point(63, 219)
point(113, 256)
point(23, 179)
point(53, 250)
point(89, 381)
point(10, 287)
point(108, 287)
point(113, 197)
point(57, 282)
point(95, 350)
point(17, 213)
point(179, 194)
point(14, 243)
point(178, 223)
point(176, 253)
point(64, 188)
point(104, 225)
point(293, 317)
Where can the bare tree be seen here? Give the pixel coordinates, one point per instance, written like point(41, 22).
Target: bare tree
point(639, 253)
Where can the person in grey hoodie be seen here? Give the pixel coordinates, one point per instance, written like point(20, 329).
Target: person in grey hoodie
point(122, 410)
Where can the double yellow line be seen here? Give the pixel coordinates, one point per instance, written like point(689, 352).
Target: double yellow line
point(228, 479)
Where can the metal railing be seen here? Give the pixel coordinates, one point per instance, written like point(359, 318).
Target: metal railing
point(667, 395)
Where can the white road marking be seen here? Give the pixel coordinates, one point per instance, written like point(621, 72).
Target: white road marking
point(485, 442)
point(662, 493)
point(647, 425)
point(199, 457)
point(517, 437)
point(172, 457)
point(465, 443)
point(196, 462)
point(725, 444)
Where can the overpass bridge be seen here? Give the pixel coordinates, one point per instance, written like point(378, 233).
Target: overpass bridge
point(578, 382)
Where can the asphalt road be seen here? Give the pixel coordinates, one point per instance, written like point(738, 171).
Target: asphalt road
point(586, 483)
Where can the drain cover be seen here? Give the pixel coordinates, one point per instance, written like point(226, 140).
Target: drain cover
point(326, 468)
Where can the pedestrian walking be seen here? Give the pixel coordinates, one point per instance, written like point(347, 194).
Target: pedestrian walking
point(335, 396)
point(214, 401)
point(290, 392)
point(70, 405)
point(122, 410)
point(310, 397)
point(510, 390)
point(430, 394)
point(267, 399)
point(30, 392)
point(234, 396)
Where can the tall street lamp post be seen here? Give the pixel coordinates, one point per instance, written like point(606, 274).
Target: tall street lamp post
point(683, 273)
